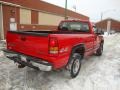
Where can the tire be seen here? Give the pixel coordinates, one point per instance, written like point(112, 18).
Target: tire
point(75, 64)
point(100, 50)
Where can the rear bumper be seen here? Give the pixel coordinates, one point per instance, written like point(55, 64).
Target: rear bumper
point(29, 61)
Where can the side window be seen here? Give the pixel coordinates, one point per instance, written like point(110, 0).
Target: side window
point(94, 28)
point(85, 27)
point(63, 25)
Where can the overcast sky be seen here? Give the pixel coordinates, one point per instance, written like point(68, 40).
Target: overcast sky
point(93, 8)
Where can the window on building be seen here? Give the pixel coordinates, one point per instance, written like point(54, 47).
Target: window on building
point(25, 16)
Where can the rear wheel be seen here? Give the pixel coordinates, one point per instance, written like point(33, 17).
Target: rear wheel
point(100, 50)
point(75, 64)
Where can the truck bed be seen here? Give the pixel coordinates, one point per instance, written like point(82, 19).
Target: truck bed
point(39, 33)
point(44, 33)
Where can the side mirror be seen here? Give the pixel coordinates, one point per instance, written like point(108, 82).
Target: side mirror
point(99, 32)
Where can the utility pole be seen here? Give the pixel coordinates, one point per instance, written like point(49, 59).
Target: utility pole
point(66, 9)
point(74, 7)
point(101, 15)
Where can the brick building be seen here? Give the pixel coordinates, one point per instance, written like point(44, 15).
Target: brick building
point(31, 15)
point(109, 23)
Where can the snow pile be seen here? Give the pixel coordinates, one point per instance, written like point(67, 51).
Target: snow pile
point(1, 53)
point(110, 35)
point(2, 44)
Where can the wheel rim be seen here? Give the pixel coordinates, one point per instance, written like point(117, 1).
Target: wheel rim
point(76, 66)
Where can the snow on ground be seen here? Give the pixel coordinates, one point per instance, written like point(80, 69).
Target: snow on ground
point(97, 73)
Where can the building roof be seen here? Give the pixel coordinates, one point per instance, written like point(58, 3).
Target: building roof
point(44, 6)
point(115, 24)
point(108, 19)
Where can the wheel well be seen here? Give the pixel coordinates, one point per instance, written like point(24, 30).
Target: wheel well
point(102, 41)
point(79, 49)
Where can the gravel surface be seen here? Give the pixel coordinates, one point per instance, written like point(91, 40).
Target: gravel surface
point(97, 73)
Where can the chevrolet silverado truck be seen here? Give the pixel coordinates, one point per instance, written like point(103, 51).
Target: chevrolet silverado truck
point(51, 50)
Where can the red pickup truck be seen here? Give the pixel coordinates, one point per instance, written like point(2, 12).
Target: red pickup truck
point(50, 50)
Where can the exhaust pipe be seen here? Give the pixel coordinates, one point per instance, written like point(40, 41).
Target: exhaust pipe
point(21, 66)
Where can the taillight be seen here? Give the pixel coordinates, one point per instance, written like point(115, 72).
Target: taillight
point(10, 45)
point(53, 46)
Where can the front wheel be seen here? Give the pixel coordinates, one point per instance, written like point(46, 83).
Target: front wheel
point(100, 50)
point(75, 64)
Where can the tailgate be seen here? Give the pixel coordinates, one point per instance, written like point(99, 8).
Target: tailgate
point(27, 43)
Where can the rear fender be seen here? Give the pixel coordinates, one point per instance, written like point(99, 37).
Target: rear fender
point(77, 49)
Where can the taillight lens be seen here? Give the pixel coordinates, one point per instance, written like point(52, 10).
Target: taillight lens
point(53, 46)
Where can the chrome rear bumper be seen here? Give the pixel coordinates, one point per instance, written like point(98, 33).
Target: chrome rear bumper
point(29, 61)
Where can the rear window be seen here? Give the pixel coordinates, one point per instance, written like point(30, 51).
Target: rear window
point(74, 26)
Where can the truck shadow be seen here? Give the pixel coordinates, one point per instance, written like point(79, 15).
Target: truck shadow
point(44, 80)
